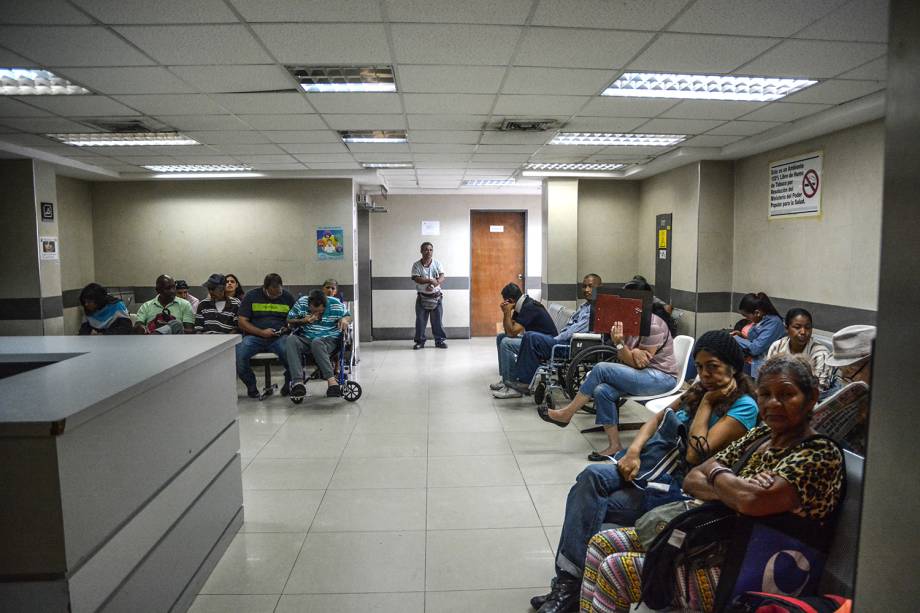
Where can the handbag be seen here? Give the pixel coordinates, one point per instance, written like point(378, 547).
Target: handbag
point(759, 602)
point(429, 301)
point(664, 454)
point(657, 519)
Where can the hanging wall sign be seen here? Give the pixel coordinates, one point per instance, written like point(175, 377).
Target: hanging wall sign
point(795, 186)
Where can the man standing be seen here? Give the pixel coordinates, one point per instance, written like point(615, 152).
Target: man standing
point(155, 315)
point(182, 292)
point(428, 276)
point(321, 319)
point(520, 313)
point(536, 346)
point(262, 319)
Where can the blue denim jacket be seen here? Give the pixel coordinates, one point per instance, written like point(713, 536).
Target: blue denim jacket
point(577, 323)
point(760, 337)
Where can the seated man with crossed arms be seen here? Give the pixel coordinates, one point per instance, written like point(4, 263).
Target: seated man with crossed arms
point(318, 321)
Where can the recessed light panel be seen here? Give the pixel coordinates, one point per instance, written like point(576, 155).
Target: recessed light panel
point(208, 175)
point(374, 136)
point(28, 82)
point(335, 79)
point(123, 139)
point(388, 165)
point(575, 166)
point(704, 87)
point(486, 182)
point(199, 168)
point(609, 138)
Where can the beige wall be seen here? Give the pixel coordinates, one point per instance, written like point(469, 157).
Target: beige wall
point(190, 229)
point(831, 259)
point(75, 212)
point(608, 221)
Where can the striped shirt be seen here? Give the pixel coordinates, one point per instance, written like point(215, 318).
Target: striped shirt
point(814, 353)
point(327, 327)
point(212, 320)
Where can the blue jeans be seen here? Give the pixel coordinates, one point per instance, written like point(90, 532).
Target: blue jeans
point(607, 381)
point(252, 345)
point(508, 348)
point(599, 496)
point(421, 321)
point(535, 348)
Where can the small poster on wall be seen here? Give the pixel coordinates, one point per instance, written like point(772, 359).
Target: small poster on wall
point(795, 186)
point(431, 228)
point(330, 243)
point(48, 248)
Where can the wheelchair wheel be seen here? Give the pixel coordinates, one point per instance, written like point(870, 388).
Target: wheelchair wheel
point(540, 393)
point(583, 362)
point(351, 391)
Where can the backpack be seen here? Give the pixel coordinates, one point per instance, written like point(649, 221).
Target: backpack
point(759, 602)
point(162, 319)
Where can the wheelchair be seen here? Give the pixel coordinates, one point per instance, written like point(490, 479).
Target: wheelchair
point(343, 365)
point(566, 371)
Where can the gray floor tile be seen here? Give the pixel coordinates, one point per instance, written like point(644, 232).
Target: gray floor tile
point(280, 510)
point(480, 507)
point(464, 471)
point(411, 602)
point(363, 473)
point(255, 564)
point(371, 510)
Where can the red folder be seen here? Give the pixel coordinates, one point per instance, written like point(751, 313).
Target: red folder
point(609, 309)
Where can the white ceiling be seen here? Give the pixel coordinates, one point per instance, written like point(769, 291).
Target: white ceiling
point(214, 70)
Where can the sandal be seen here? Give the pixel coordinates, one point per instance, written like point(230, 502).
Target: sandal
point(543, 412)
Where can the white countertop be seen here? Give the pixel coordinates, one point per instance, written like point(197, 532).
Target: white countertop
point(93, 375)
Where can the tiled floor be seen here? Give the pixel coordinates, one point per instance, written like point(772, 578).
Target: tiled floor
point(425, 495)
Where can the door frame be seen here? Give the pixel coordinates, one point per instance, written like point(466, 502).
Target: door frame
point(469, 223)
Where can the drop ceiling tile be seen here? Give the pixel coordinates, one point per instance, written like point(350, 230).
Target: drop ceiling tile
point(496, 137)
point(12, 60)
point(447, 104)
point(266, 77)
point(743, 128)
point(326, 158)
point(213, 44)
point(711, 109)
point(204, 159)
point(46, 12)
point(379, 148)
point(532, 105)
point(397, 172)
point(442, 148)
point(603, 124)
point(35, 140)
point(86, 106)
point(72, 46)
point(630, 153)
point(140, 152)
point(267, 103)
point(513, 12)
point(710, 140)
point(571, 150)
point(501, 157)
point(779, 18)
point(307, 10)
point(284, 122)
point(265, 160)
point(626, 107)
point(161, 11)
point(860, 20)
point(454, 44)
point(445, 136)
point(204, 122)
point(171, 104)
point(442, 158)
point(366, 122)
point(20, 107)
point(249, 149)
point(135, 80)
point(700, 53)
point(564, 81)
point(449, 79)
point(355, 103)
point(334, 166)
point(352, 43)
point(876, 69)
point(528, 149)
point(785, 111)
point(446, 122)
point(291, 136)
point(45, 125)
point(567, 48)
point(385, 157)
point(338, 147)
point(836, 91)
point(541, 156)
point(492, 167)
point(234, 137)
point(812, 58)
point(627, 15)
point(276, 167)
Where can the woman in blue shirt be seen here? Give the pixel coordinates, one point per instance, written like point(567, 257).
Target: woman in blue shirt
point(767, 327)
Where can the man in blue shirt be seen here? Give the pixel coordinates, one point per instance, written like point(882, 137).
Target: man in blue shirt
point(521, 313)
point(320, 321)
point(536, 347)
point(262, 317)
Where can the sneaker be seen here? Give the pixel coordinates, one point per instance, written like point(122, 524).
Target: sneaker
point(507, 392)
point(497, 385)
point(418, 346)
point(298, 391)
point(522, 388)
point(286, 388)
point(441, 345)
point(334, 391)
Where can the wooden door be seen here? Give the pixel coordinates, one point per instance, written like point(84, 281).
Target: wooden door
point(497, 245)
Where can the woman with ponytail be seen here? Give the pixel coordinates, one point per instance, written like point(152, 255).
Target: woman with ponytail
point(767, 327)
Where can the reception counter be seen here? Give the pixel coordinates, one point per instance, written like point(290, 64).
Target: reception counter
point(119, 470)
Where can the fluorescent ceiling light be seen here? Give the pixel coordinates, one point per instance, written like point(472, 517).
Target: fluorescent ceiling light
point(388, 165)
point(199, 168)
point(704, 87)
point(123, 139)
point(566, 173)
point(486, 182)
point(208, 175)
point(608, 138)
point(28, 82)
point(336, 79)
point(575, 166)
point(374, 136)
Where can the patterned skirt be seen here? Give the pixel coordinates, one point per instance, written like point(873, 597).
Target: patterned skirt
point(613, 576)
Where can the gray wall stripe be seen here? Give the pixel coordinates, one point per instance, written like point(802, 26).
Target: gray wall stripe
point(31, 308)
point(71, 298)
point(387, 283)
point(52, 306)
point(714, 302)
point(683, 300)
point(825, 316)
point(143, 293)
point(407, 334)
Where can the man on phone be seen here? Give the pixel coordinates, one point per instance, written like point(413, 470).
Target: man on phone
point(263, 319)
point(520, 313)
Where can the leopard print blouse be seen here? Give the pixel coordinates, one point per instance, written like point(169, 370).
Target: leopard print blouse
point(814, 467)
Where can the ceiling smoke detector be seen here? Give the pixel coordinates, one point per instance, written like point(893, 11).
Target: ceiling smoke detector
point(528, 125)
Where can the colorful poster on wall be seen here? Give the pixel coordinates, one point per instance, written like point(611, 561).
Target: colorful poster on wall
point(795, 186)
point(330, 243)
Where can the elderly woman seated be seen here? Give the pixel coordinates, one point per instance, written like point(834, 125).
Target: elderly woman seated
point(788, 472)
point(799, 343)
point(716, 411)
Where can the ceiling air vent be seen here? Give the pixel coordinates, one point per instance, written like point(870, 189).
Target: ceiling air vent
point(528, 125)
point(112, 125)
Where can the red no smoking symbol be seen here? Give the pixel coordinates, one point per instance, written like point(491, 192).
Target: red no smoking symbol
point(810, 183)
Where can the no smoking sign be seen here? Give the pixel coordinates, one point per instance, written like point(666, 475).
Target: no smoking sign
point(795, 186)
point(810, 184)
